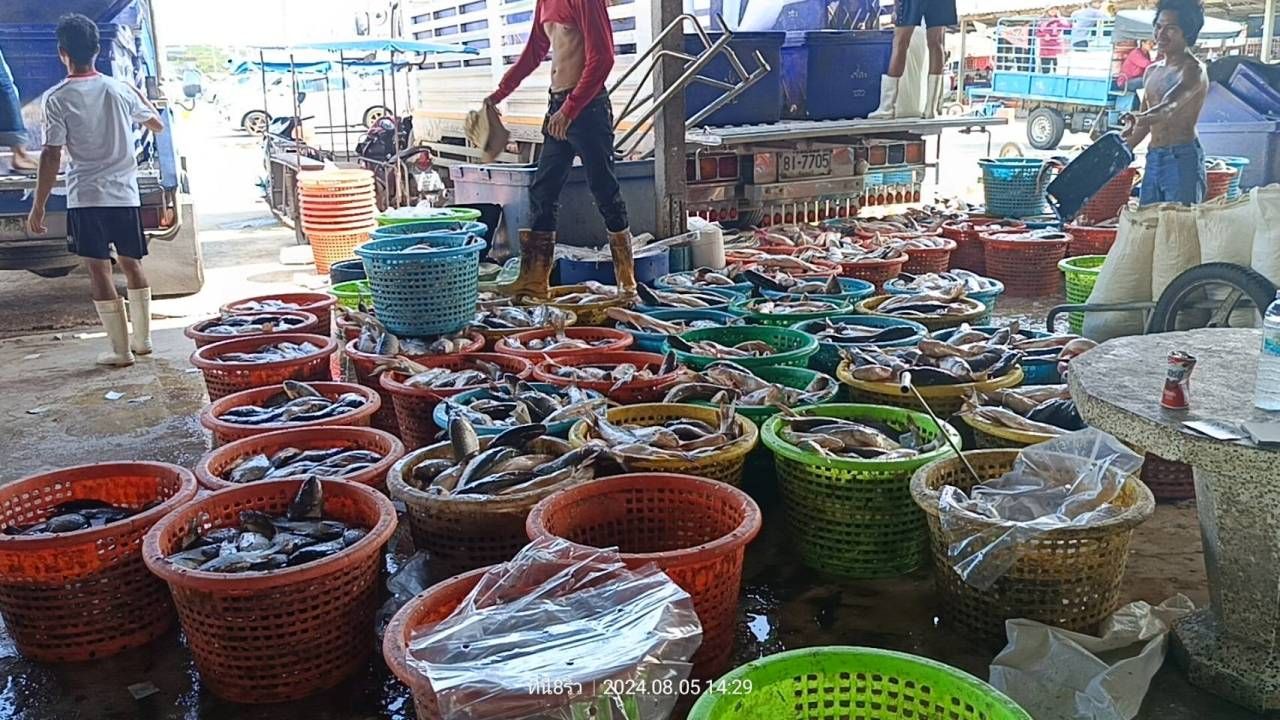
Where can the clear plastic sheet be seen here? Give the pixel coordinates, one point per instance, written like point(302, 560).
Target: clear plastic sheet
point(561, 632)
point(1070, 481)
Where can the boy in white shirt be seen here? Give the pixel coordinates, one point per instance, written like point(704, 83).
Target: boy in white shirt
point(93, 116)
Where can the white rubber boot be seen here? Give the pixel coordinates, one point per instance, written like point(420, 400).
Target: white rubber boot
point(111, 313)
point(140, 320)
point(888, 99)
point(933, 97)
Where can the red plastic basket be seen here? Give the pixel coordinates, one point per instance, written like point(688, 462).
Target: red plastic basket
point(1218, 182)
point(85, 595)
point(619, 340)
point(414, 406)
point(969, 253)
point(225, 432)
point(210, 469)
point(1028, 267)
point(262, 637)
point(1090, 240)
point(876, 272)
point(310, 326)
point(1107, 203)
point(227, 378)
point(1168, 480)
point(318, 304)
point(694, 529)
point(636, 391)
point(334, 243)
point(929, 260)
point(365, 363)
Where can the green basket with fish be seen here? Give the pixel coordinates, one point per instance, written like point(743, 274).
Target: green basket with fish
point(854, 517)
point(657, 342)
point(791, 377)
point(1082, 274)
point(990, 436)
point(968, 310)
point(790, 347)
point(753, 310)
point(353, 294)
point(441, 413)
point(887, 332)
point(944, 400)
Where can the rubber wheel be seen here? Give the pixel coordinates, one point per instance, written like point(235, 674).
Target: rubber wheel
point(255, 122)
point(746, 219)
point(1189, 291)
point(374, 114)
point(1045, 128)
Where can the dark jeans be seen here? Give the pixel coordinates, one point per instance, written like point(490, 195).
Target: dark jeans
point(1174, 173)
point(590, 137)
point(12, 131)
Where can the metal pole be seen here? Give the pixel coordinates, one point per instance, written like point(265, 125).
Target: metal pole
point(297, 149)
point(328, 102)
point(668, 138)
point(346, 122)
point(960, 74)
point(1268, 28)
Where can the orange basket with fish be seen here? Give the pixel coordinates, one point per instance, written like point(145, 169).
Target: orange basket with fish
point(416, 402)
point(545, 343)
point(214, 417)
point(216, 469)
point(246, 363)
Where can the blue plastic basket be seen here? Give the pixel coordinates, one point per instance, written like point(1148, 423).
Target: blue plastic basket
point(423, 228)
point(1236, 163)
point(1040, 372)
point(427, 292)
point(1014, 187)
point(987, 297)
point(828, 356)
point(854, 291)
point(657, 342)
point(664, 283)
point(729, 297)
point(441, 414)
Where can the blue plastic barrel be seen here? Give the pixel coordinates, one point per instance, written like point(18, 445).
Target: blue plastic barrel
point(833, 74)
point(760, 103)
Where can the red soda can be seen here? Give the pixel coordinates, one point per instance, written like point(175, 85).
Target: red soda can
point(1177, 382)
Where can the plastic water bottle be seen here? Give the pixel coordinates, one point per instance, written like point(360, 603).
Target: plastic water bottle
point(1267, 394)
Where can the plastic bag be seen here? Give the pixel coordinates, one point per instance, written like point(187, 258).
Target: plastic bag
point(1126, 276)
point(562, 631)
point(1266, 236)
point(413, 576)
point(1056, 674)
point(1177, 246)
point(1069, 481)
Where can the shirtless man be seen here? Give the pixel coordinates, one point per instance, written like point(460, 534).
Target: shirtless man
point(1175, 90)
point(579, 123)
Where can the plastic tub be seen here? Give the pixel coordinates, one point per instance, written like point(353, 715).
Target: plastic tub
point(310, 325)
point(441, 416)
point(1081, 274)
point(850, 517)
point(442, 215)
point(649, 265)
point(945, 400)
point(806, 684)
point(870, 307)
point(657, 342)
point(744, 308)
point(423, 293)
point(210, 469)
point(225, 432)
point(1087, 240)
point(225, 378)
point(761, 102)
point(1258, 141)
point(969, 254)
point(852, 289)
point(364, 364)
point(1107, 203)
point(316, 303)
point(636, 391)
point(792, 347)
point(353, 294)
point(1026, 264)
point(811, 91)
point(618, 340)
point(265, 637)
point(415, 406)
point(346, 271)
point(1068, 577)
point(694, 529)
point(828, 356)
point(86, 595)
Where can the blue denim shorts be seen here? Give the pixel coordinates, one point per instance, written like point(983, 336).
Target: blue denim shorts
point(1175, 174)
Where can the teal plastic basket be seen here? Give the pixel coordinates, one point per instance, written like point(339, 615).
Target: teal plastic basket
point(425, 292)
point(792, 347)
point(664, 283)
point(986, 297)
point(1236, 163)
point(853, 290)
point(828, 356)
point(425, 228)
point(657, 342)
point(353, 294)
point(1014, 187)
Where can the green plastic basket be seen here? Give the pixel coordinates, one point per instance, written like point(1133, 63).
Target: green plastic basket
point(792, 377)
point(1082, 272)
point(824, 683)
point(445, 214)
point(739, 307)
point(352, 294)
point(793, 347)
point(855, 518)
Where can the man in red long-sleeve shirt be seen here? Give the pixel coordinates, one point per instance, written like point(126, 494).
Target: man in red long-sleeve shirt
point(579, 122)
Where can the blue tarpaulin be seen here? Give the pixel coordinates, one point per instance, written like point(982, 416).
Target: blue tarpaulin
point(395, 45)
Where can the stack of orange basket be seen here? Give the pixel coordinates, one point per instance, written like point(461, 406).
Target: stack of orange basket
point(338, 207)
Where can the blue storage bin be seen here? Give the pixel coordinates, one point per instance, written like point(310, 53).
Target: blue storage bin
point(650, 266)
point(1248, 84)
point(760, 103)
point(1259, 142)
point(423, 293)
point(31, 51)
point(833, 74)
point(827, 359)
point(657, 342)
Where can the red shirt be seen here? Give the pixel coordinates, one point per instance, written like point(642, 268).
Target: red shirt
point(591, 19)
point(1049, 33)
point(1135, 65)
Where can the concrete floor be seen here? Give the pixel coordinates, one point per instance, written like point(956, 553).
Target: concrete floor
point(784, 606)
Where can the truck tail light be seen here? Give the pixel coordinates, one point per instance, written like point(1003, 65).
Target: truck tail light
point(728, 167)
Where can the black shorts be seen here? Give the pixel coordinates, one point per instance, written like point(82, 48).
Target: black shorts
point(91, 231)
point(935, 13)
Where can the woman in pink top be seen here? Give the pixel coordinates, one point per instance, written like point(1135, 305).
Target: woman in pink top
point(1049, 39)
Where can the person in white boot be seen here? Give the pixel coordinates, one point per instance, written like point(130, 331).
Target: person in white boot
point(93, 117)
point(937, 16)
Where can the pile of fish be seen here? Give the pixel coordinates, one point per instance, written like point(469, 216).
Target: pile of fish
point(297, 402)
point(512, 317)
point(713, 349)
point(702, 277)
point(264, 306)
point(790, 307)
point(263, 542)
point(725, 381)
point(789, 235)
point(619, 374)
point(74, 515)
point(760, 260)
point(510, 464)
point(230, 325)
point(594, 294)
point(558, 341)
point(1041, 409)
point(779, 281)
point(984, 225)
point(847, 333)
point(332, 462)
point(474, 371)
point(846, 251)
point(943, 303)
point(375, 339)
point(854, 440)
point(271, 352)
point(945, 282)
point(630, 320)
point(914, 221)
point(680, 299)
point(931, 362)
point(921, 242)
point(516, 402)
point(676, 439)
point(1053, 347)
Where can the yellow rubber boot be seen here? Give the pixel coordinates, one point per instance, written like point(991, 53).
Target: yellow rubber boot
point(624, 262)
point(537, 253)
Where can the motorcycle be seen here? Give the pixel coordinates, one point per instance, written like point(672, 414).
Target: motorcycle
point(403, 173)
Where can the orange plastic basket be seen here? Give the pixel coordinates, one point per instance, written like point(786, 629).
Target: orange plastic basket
point(620, 340)
point(263, 637)
point(227, 378)
point(876, 272)
point(330, 245)
point(86, 595)
point(225, 432)
point(1107, 202)
point(318, 304)
point(636, 391)
point(215, 463)
point(1027, 266)
point(415, 406)
point(696, 530)
point(196, 331)
point(1087, 240)
point(365, 363)
point(969, 254)
point(1218, 182)
point(929, 260)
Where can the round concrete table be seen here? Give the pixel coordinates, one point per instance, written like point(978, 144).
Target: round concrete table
point(1231, 647)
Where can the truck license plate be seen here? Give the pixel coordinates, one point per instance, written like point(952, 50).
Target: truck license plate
point(811, 163)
